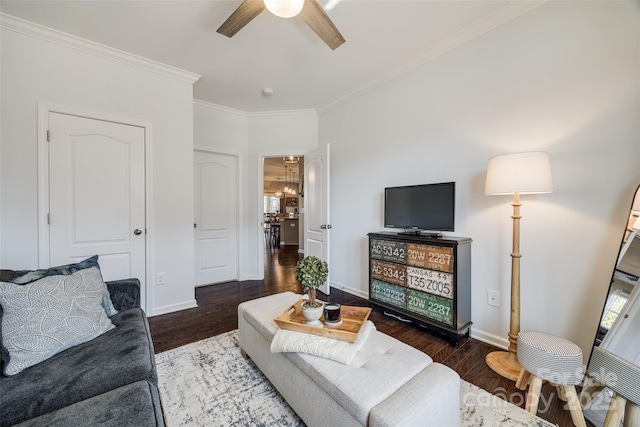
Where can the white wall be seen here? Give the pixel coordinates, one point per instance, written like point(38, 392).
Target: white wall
point(225, 130)
point(37, 68)
point(254, 135)
point(563, 78)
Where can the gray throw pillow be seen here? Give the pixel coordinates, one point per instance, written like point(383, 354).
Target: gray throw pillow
point(49, 315)
point(23, 277)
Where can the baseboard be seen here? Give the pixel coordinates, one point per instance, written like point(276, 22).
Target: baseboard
point(174, 307)
point(480, 335)
point(348, 289)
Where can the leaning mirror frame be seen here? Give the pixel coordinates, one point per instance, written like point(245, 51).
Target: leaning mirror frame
point(608, 364)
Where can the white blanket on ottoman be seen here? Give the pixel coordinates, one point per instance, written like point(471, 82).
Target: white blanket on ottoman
point(286, 341)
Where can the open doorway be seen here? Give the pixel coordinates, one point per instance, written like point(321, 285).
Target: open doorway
point(312, 204)
point(283, 207)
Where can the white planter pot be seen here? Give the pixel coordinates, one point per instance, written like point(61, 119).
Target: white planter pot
point(312, 315)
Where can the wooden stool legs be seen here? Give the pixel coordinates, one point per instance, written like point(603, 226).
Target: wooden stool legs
point(574, 406)
point(631, 415)
point(523, 379)
point(590, 388)
point(616, 408)
point(533, 395)
point(619, 405)
point(566, 391)
point(561, 393)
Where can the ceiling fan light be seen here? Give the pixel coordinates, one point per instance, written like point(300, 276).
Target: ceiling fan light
point(284, 8)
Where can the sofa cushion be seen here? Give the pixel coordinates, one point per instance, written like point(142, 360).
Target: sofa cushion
point(121, 356)
point(135, 404)
point(125, 293)
point(49, 315)
point(4, 353)
point(23, 277)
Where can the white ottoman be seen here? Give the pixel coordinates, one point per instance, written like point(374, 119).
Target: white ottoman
point(554, 359)
point(388, 383)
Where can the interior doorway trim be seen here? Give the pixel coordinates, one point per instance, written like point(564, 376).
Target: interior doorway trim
point(239, 229)
point(260, 234)
point(44, 109)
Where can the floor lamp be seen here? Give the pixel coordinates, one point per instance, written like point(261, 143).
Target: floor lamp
point(520, 173)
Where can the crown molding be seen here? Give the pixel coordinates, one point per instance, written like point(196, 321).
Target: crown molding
point(41, 32)
point(280, 113)
point(258, 114)
point(218, 108)
point(503, 15)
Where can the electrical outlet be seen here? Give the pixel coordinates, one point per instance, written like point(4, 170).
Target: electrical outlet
point(493, 298)
point(160, 280)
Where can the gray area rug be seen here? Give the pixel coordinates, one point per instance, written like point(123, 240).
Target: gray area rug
point(208, 383)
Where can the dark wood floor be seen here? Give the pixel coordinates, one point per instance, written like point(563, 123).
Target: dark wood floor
point(217, 313)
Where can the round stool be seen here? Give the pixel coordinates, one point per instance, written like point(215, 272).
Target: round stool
point(554, 359)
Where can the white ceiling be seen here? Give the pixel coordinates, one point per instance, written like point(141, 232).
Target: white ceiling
point(383, 39)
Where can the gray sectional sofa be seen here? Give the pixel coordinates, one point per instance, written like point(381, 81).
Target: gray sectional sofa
point(108, 381)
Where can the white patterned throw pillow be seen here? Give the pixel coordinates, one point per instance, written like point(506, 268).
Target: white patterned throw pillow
point(23, 277)
point(49, 315)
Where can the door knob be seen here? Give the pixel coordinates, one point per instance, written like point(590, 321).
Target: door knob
point(194, 225)
point(137, 232)
point(323, 227)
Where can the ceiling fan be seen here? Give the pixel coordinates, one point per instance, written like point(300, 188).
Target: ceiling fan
point(310, 10)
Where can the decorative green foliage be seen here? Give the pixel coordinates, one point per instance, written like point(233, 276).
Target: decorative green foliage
point(312, 272)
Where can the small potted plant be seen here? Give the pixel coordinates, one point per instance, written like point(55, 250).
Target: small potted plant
point(312, 272)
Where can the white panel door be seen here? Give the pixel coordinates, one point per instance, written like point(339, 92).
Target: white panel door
point(97, 194)
point(316, 207)
point(216, 218)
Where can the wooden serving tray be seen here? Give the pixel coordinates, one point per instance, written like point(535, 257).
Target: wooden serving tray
point(352, 320)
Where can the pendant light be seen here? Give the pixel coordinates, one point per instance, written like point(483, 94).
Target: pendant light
point(279, 193)
point(292, 160)
point(286, 179)
point(293, 190)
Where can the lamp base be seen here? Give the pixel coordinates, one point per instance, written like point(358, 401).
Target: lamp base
point(504, 363)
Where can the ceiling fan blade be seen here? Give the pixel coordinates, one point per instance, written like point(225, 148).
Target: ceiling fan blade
point(247, 10)
point(316, 18)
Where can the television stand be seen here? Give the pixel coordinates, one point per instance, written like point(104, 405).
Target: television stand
point(422, 279)
point(431, 234)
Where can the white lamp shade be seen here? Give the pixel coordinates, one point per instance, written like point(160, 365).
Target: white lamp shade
point(524, 173)
point(284, 8)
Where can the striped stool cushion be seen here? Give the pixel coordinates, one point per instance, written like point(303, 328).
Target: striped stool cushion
point(616, 373)
point(550, 357)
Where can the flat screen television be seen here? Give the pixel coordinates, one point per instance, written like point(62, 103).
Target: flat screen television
point(416, 208)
